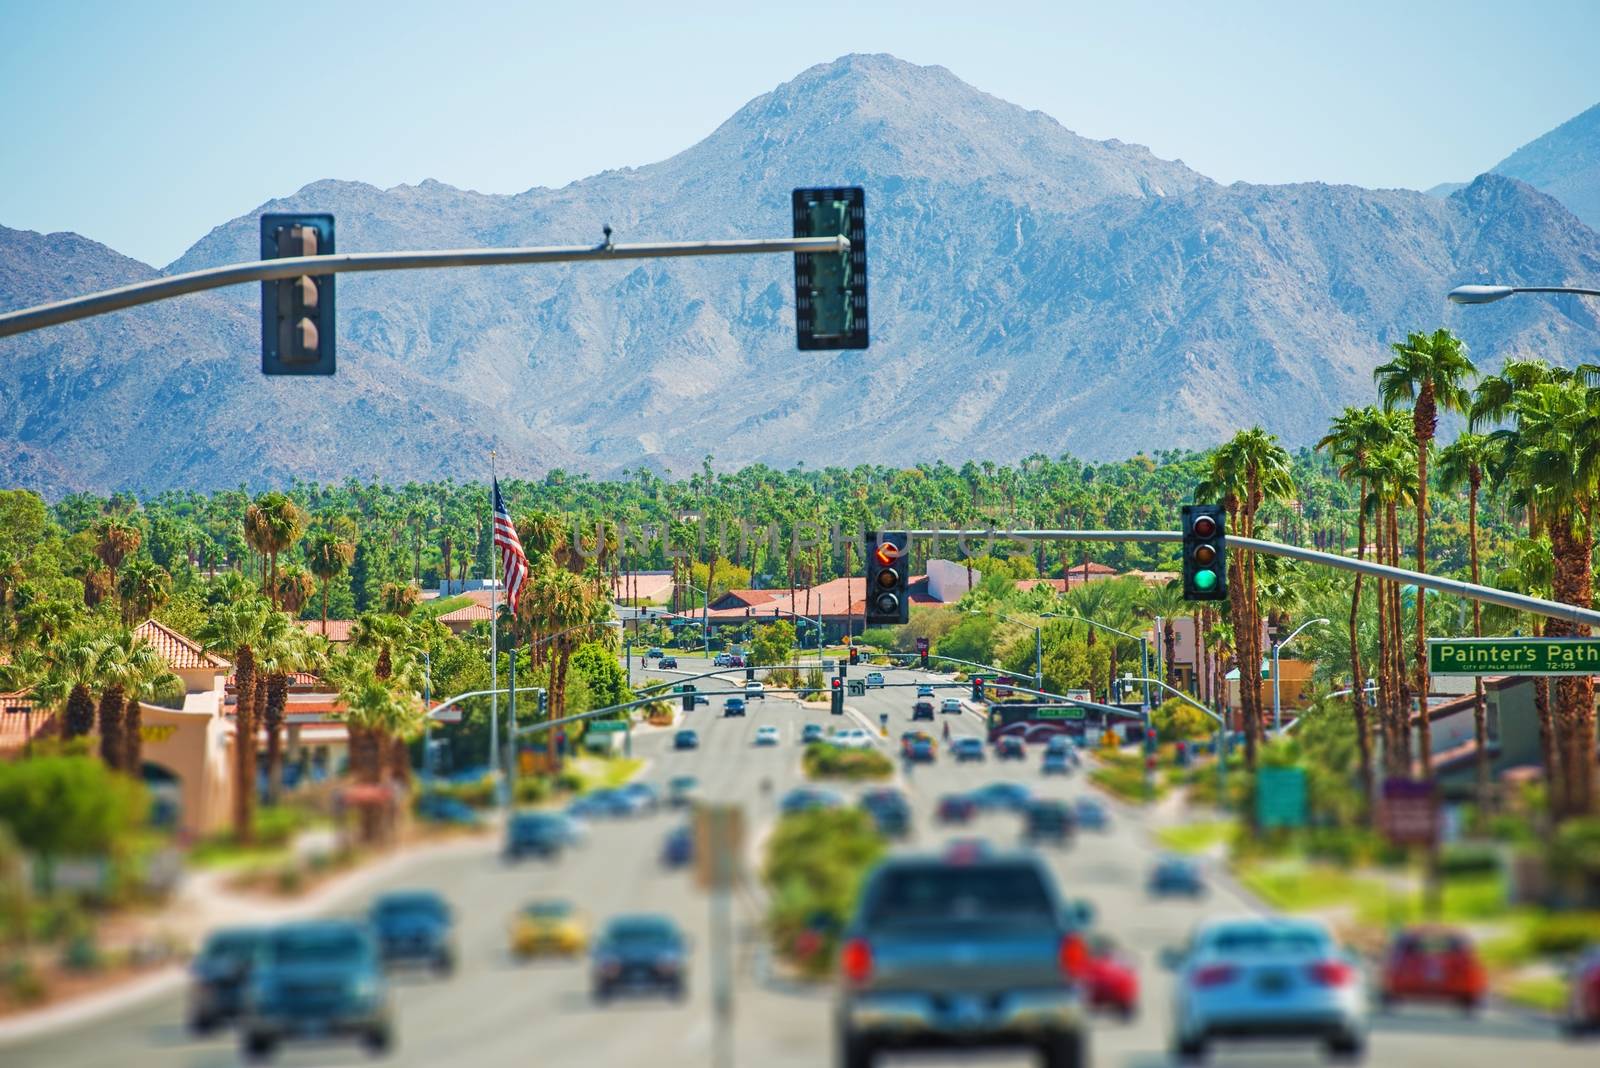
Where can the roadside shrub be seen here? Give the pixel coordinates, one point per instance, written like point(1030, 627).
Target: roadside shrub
point(478, 794)
point(532, 789)
point(1467, 860)
point(824, 761)
point(816, 862)
point(569, 782)
point(23, 984)
point(1563, 933)
point(81, 953)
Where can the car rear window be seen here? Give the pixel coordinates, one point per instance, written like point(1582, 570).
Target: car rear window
point(322, 946)
point(1433, 944)
point(644, 929)
point(995, 892)
point(231, 946)
point(1256, 938)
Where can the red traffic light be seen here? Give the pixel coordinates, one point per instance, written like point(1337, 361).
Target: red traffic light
point(837, 682)
point(1204, 527)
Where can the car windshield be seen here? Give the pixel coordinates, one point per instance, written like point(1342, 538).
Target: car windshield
point(322, 945)
point(548, 910)
point(409, 905)
point(1266, 939)
point(991, 892)
point(231, 946)
point(536, 823)
point(641, 930)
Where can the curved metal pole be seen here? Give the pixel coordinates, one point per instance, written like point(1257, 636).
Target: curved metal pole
point(109, 300)
point(1277, 708)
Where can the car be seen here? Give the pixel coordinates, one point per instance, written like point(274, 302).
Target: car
point(219, 977)
point(922, 710)
point(1175, 876)
point(807, 799)
point(1057, 763)
point(852, 738)
point(1113, 980)
point(910, 738)
point(549, 927)
point(923, 751)
point(1274, 978)
point(829, 664)
point(733, 706)
point(639, 797)
point(950, 705)
point(1047, 821)
point(924, 690)
point(677, 849)
point(654, 651)
point(1002, 797)
point(1058, 743)
point(754, 691)
point(686, 740)
point(570, 829)
point(735, 660)
point(681, 790)
point(641, 953)
point(701, 699)
point(1010, 748)
point(955, 808)
point(1433, 964)
point(722, 660)
point(442, 808)
point(767, 735)
point(668, 663)
point(968, 748)
point(318, 980)
point(413, 927)
point(890, 811)
point(1582, 1014)
point(874, 680)
point(535, 834)
point(811, 732)
point(593, 805)
point(968, 950)
point(1091, 815)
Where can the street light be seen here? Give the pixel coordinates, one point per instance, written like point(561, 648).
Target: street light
point(1490, 294)
point(1277, 711)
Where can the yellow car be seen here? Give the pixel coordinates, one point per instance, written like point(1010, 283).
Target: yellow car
point(549, 928)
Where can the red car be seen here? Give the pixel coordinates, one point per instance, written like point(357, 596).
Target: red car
point(1113, 984)
point(1433, 964)
point(1583, 1003)
point(956, 808)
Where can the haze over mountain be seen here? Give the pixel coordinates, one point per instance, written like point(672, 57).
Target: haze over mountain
point(1032, 290)
point(1564, 163)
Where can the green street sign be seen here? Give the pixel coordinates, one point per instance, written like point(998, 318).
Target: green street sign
point(1514, 656)
point(606, 726)
point(1060, 713)
point(1281, 797)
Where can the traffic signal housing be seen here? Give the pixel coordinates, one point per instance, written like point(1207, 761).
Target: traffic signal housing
point(977, 689)
point(688, 698)
point(297, 314)
point(922, 651)
point(837, 696)
point(1205, 553)
point(888, 597)
point(855, 655)
point(830, 288)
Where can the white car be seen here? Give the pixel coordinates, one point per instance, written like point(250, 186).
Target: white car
point(754, 691)
point(852, 738)
point(950, 704)
point(874, 680)
point(1269, 978)
point(767, 736)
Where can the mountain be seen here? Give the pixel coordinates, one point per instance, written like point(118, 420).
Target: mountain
point(1564, 163)
point(1032, 290)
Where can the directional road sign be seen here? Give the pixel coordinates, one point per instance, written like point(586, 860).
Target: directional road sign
point(1514, 656)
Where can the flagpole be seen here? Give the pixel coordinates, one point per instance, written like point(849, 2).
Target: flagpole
point(494, 631)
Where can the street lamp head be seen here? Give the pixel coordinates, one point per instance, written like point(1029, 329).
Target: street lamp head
point(1479, 294)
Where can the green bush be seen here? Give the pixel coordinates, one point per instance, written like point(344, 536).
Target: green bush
point(1468, 860)
point(815, 865)
point(570, 782)
point(824, 761)
point(290, 879)
point(81, 953)
point(1563, 933)
point(532, 789)
point(23, 984)
point(480, 794)
point(59, 805)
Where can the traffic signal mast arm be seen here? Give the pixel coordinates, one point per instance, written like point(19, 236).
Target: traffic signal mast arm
point(110, 300)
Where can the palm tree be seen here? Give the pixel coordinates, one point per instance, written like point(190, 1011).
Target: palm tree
point(236, 628)
point(1250, 469)
point(273, 523)
point(295, 587)
point(115, 540)
point(1532, 571)
point(399, 598)
point(328, 553)
point(1166, 603)
point(147, 676)
point(113, 668)
point(284, 649)
point(1429, 372)
point(375, 711)
point(1463, 463)
point(143, 587)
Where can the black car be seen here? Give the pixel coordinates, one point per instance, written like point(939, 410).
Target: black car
point(811, 732)
point(414, 928)
point(1010, 748)
point(668, 663)
point(968, 748)
point(221, 975)
point(733, 706)
point(534, 834)
point(640, 953)
point(686, 740)
point(889, 811)
point(1176, 876)
point(1047, 821)
point(316, 981)
point(922, 710)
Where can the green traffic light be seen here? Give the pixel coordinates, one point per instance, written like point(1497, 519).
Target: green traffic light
point(1205, 580)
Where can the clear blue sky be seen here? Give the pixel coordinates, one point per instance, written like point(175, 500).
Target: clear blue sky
point(143, 125)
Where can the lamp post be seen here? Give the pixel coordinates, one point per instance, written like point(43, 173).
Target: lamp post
point(1277, 710)
point(1491, 293)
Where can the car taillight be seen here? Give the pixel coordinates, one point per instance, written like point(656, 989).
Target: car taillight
point(1331, 972)
point(1213, 975)
point(855, 960)
point(1073, 957)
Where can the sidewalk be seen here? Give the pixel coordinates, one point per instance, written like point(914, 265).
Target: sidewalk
point(202, 904)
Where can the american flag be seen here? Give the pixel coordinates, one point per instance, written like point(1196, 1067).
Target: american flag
point(514, 559)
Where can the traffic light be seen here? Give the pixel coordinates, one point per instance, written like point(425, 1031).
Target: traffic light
point(830, 288)
point(688, 698)
point(749, 674)
point(544, 705)
point(887, 598)
point(922, 651)
point(1205, 553)
point(297, 335)
point(837, 696)
point(977, 689)
point(855, 655)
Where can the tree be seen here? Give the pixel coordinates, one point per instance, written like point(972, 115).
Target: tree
point(399, 598)
point(1429, 372)
point(329, 551)
point(1462, 464)
point(272, 524)
point(148, 679)
point(1166, 603)
point(772, 643)
point(115, 540)
point(120, 660)
point(68, 805)
point(295, 587)
point(284, 649)
point(143, 587)
point(236, 628)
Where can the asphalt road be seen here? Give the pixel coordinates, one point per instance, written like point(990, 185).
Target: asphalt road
point(496, 1012)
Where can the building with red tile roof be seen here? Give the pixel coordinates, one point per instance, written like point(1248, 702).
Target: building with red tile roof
point(337, 631)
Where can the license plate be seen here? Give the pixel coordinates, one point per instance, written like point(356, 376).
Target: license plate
point(1273, 983)
point(313, 1028)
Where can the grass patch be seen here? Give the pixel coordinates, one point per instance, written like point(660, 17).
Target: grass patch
point(1547, 993)
point(441, 605)
point(1295, 886)
point(602, 773)
point(1464, 900)
point(1196, 837)
point(1122, 775)
point(275, 829)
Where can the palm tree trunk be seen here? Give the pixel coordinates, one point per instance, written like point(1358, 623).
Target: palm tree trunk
point(277, 699)
point(1480, 718)
point(244, 744)
point(1424, 409)
point(112, 746)
point(325, 607)
point(1357, 680)
point(133, 738)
